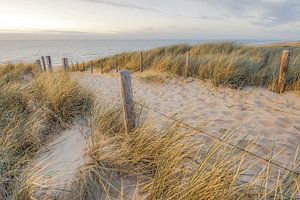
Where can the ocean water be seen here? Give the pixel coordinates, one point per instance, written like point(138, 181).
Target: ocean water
point(17, 51)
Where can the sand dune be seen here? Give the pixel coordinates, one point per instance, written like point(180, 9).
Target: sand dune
point(267, 120)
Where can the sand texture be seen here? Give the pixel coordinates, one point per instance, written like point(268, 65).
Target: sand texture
point(59, 161)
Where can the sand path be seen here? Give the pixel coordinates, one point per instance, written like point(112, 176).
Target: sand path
point(58, 162)
point(269, 120)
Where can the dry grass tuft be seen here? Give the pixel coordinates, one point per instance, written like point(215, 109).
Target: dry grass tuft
point(16, 72)
point(154, 77)
point(61, 96)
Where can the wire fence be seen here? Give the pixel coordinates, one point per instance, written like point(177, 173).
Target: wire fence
point(223, 141)
point(144, 106)
point(218, 139)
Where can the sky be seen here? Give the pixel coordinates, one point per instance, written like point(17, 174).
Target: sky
point(150, 19)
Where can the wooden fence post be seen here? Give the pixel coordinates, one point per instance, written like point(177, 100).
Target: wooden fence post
point(65, 64)
point(49, 63)
point(186, 69)
point(91, 66)
point(77, 66)
point(39, 65)
point(141, 62)
point(83, 66)
point(116, 64)
point(102, 68)
point(127, 100)
point(44, 63)
point(284, 66)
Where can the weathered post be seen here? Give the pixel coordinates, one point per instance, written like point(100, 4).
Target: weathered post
point(49, 63)
point(44, 63)
point(65, 64)
point(127, 100)
point(116, 64)
point(39, 65)
point(141, 62)
point(91, 66)
point(83, 66)
point(77, 66)
point(186, 69)
point(9, 64)
point(284, 66)
point(102, 68)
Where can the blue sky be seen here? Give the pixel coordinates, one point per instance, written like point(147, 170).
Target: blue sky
point(150, 19)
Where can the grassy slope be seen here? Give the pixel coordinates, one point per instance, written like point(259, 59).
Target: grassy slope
point(30, 110)
point(171, 164)
point(222, 63)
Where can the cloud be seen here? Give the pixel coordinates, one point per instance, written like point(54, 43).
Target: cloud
point(145, 7)
point(125, 4)
point(260, 12)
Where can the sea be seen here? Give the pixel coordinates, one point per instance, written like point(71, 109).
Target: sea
point(20, 51)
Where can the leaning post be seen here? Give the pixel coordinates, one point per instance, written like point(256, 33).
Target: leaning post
point(127, 100)
point(49, 63)
point(284, 66)
point(44, 63)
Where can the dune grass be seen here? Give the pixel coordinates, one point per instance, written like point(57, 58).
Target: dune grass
point(171, 164)
point(63, 98)
point(33, 107)
point(16, 72)
point(226, 63)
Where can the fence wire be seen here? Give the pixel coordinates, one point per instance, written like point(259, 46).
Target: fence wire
point(218, 139)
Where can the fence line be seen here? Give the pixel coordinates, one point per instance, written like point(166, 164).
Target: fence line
point(218, 139)
point(284, 64)
point(213, 137)
point(204, 133)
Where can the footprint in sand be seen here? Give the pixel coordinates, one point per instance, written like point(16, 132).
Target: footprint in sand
point(297, 127)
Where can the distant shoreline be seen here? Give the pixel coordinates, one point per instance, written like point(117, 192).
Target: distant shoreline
point(279, 44)
point(26, 51)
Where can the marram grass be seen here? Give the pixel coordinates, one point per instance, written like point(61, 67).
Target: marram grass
point(226, 63)
point(33, 108)
point(171, 164)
